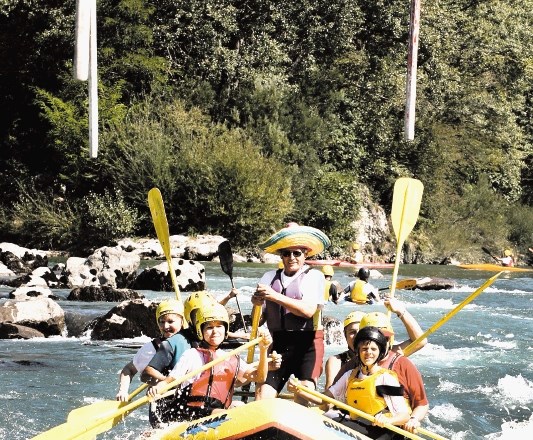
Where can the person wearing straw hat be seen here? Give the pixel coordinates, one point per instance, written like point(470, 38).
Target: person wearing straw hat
point(507, 260)
point(292, 299)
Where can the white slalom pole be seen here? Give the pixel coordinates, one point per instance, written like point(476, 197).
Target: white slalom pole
point(412, 55)
point(81, 48)
point(93, 85)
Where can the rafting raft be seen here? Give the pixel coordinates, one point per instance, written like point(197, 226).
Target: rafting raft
point(494, 267)
point(276, 419)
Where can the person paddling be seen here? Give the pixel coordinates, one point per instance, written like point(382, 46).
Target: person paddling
point(507, 260)
point(361, 291)
point(369, 388)
point(212, 390)
point(332, 288)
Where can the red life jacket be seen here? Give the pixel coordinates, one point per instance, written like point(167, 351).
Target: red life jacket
point(214, 388)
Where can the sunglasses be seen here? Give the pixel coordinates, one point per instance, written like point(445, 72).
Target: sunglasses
point(289, 253)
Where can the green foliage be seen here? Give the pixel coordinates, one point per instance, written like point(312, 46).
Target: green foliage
point(213, 179)
point(107, 217)
point(41, 220)
point(335, 202)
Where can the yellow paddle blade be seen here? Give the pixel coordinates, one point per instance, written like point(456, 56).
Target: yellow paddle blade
point(406, 201)
point(159, 217)
point(408, 283)
point(405, 206)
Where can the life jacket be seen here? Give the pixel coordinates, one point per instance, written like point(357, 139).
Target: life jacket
point(214, 388)
point(358, 295)
point(364, 395)
point(327, 286)
point(279, 318)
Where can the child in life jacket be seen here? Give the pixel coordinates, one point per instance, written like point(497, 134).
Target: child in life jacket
point(369, 388)
point(212, 389)
point(169, 318)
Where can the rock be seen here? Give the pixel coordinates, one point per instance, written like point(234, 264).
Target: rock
point(40, 313)
point(14, 331)
point(107, 266)
point(5, 271)
point(102, 293)
point(190, 277)
point(434, 283)
point(333, 331)
point(21, 260)
point(25, 292)
point(129, 319)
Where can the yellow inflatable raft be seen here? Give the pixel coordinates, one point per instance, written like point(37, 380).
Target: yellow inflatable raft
point(262, 419)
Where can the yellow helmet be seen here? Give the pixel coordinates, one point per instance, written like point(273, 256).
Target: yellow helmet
point(352, 317)
point(507, 252)
point(170, 306)
point(195, 301)
point(327, 270)
point(381, 321)
point(209, 313)
point(355, 246)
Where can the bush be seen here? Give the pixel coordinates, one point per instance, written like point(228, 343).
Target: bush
point(106, 218)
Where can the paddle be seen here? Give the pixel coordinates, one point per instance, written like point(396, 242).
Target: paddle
point(366, 416)
point(406, 201)
point(484, 249)
point(256, 316)
point(226, 263)
point(410, 348)
point(157, 208)
point(408, 283)
point(87, 429)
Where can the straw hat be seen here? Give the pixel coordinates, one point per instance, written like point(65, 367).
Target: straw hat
point(296, 236)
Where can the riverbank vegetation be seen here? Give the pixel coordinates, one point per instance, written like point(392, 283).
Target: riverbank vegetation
point(250, 114)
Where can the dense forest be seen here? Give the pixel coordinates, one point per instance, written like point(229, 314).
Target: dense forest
point(249, 114)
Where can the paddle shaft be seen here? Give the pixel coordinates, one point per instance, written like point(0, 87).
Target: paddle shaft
point(484, 249)
point(159, 217)
point(355, 411)
point(410, 348)
point(256, 316)
point(79, 431)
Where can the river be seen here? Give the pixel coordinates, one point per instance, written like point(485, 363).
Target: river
point(477, 368)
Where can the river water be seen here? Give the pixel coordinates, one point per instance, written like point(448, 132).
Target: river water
point(477, 368)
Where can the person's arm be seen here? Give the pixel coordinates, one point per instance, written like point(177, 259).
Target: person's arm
point(153, 373)
point(292, 388)
point(259, 373)
point(333, 366)
point(397, 406)
point(410, 323)
point(416, 418)
point(125, 377)
point(232, 294)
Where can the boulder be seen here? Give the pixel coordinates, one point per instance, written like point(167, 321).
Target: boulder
point(190, 277)
point(102, 293)
point(25, 292)
point(40, 313)
point(333, 331)
point(129, 319)
point(107, 266)
point(14, 331)
point(5, 271)
point(434, 283)
point(21, 260)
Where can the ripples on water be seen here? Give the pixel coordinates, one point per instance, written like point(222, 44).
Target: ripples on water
point(478, 367)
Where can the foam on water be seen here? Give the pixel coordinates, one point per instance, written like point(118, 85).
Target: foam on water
point(513, 430)
point(446, 412)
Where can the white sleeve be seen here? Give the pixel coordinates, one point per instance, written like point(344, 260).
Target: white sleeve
point(395, 404)
point(338, 389)
point(313, 285)
point(189, 361)
point(143, 356)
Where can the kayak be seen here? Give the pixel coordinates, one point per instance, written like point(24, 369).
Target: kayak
point(261, 419)
point(341, 263)
point(494, 267)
